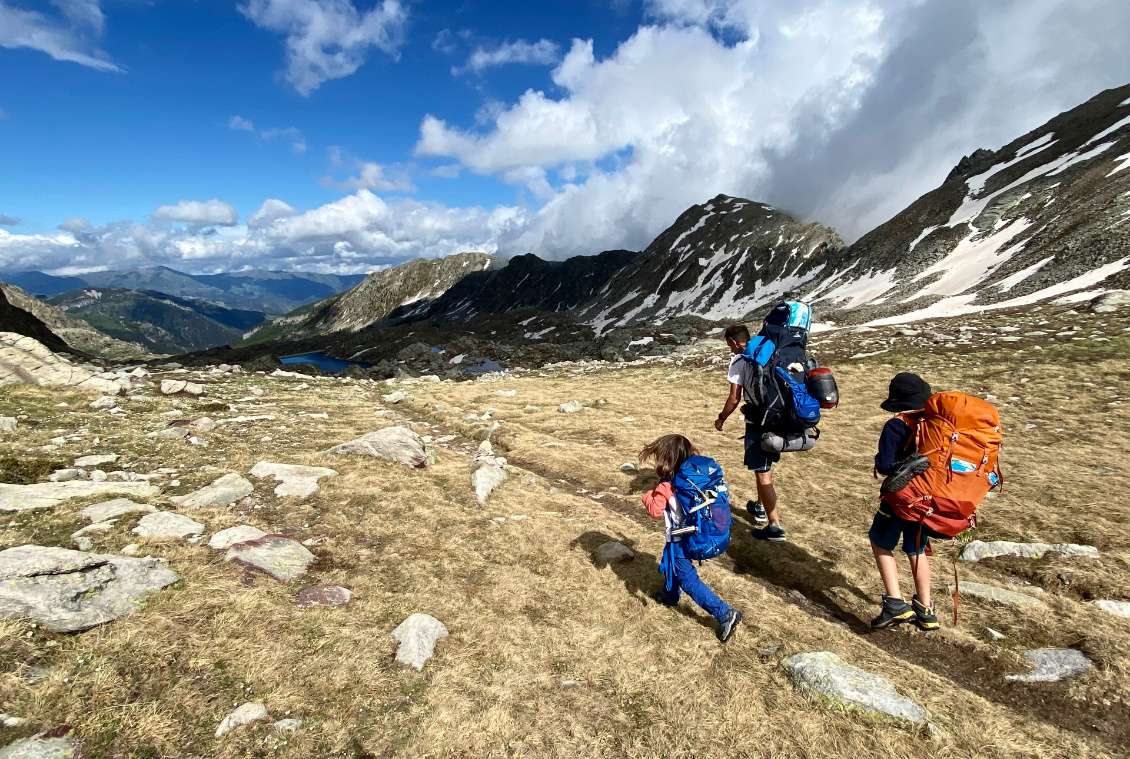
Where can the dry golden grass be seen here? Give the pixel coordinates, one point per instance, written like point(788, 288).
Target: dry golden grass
point(550, 655)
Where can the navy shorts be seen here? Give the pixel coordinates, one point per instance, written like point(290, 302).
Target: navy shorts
point(886, 529)
point(756, 459)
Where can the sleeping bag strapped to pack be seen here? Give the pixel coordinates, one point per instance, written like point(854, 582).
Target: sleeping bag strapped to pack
point(778, 397)
point(960, 435)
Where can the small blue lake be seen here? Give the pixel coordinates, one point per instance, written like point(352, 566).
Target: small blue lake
point(487, 366)
point(324, 362)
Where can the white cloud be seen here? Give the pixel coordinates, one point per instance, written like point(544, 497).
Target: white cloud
point(241, 124)
point(199, 213)
point(75, 224)
point(9, 221)
point(371, 176)
point(290, 134)
point(540, 53)
point(272, 210)
point(74, 37)
point(328, 39)
point(842, 111)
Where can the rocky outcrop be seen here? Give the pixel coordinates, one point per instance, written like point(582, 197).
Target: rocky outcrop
point(224, 491)
point(67, 591)
point(275, 555)
point(398, 444)
point(46, 495)
point(25, 360)
point(978, 550)
point(22, 322)
point(831, 681)
point(1052, 665)
point(294, 480)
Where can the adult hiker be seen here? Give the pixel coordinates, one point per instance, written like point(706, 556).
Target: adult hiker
point(756, 387)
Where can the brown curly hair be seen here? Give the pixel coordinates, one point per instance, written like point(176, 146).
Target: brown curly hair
point(669, 452)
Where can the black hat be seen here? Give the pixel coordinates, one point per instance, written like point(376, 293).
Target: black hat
point(908, 392)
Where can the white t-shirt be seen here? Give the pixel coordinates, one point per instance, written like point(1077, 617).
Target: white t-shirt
point(741, 373)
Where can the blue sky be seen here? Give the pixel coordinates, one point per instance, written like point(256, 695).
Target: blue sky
point(344, 135)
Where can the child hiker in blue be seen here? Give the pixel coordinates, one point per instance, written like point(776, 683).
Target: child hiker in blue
point(694, 502)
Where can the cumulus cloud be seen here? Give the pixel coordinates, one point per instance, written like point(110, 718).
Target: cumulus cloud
point(9, 221)
point(843, 111)
point(540, 53)
point(370, 176)
point(328, 39)
point(356, 234)
point(199, 213)
point(73, 36)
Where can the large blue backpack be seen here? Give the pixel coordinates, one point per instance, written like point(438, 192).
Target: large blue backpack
point(778, 396)
point(705, 500)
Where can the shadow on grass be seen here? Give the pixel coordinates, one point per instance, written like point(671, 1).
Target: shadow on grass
point(640, 576)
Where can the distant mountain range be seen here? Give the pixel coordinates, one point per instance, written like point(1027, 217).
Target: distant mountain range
point(271, 292)
point(161, 323)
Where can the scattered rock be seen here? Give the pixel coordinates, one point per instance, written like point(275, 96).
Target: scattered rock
point(276, 555)
point(395, 397)
point(101, 512)
point(193, 440)
point(223, 492)
point(172, 387)
point(41, 747)
point(7, 720)
point(571, 407)
point(486, 478)
point(613, 552)
point(83, 543)
point(287, 726)
point(166, 524)
point(417, 637)
point(244, 715)
point(978, 550)
point(45, 495)
point(326, 595)
point(104, 403)
point(67, 591)
point(295, 480)
point(994, 635)
point(553, 445)
point(97, 460)
point(834, 683)
point(225, 539)
point(8, 423)
point(504, 393)
point(204, 424)
point(67, 475)
point(98, 475)
point(1053, 665)
point(169, 433)
point(1111, 302)
point(627, 466)
point(397, 444)
point(995, 594)
point(1118, 608)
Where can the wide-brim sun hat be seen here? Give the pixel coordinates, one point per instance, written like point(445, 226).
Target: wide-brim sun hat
point(908, 392)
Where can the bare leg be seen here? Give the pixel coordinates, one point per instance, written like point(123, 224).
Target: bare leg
point(920, 566)
point(888, 571)
point(767, 495)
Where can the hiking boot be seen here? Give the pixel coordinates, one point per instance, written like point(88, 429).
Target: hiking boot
point(665, 598)
point(904, 473)
point(729, 625)
point(925, 616)
point(757, 511)
point(772, 532)
point(895, 612)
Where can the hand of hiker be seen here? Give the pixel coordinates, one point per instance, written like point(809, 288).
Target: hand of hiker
point(718, 423)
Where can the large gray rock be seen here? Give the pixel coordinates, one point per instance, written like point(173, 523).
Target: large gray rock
point(68, 475)
point(571, 407)
point(1053, 665)
point(1111, 302)
point(486, 478)
point(45, 495)
point(834, 683)
point(39, 747)
point(276, 555)
point(995, 594)
point(225, 539)
point(224, 491)
point(979, 549)
point(67, 591)
point(24, 360)
point(97, 459)
point(100, 512)
point(294, 480)
point(417, 637)
point(167, 525)
point(9, 423)
point(1118, 608)
point(243, 715)
point(398, 444)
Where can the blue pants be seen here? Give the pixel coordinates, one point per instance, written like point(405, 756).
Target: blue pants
point(686, 578)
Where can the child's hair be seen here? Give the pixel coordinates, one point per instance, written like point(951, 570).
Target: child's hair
point(669, 452)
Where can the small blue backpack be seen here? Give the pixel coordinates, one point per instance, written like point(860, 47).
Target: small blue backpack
point(705, 499)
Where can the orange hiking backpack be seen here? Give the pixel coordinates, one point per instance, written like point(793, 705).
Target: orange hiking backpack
point(961, 437)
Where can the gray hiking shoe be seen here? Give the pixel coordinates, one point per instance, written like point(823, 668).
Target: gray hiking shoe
point(895, 612)
point(729, 625)
point(773, 532)
point(757, 511)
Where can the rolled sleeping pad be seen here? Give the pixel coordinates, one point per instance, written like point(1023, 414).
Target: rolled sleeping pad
point(821, 385)
point(791, 442)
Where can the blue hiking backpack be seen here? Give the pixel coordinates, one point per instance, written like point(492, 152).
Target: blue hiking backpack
point(779, 399)
point(705, 500)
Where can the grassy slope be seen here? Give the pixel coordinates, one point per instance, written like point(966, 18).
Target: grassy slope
point(528, 610)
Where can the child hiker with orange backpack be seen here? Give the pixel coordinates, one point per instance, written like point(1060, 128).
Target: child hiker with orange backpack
point(939, 455)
